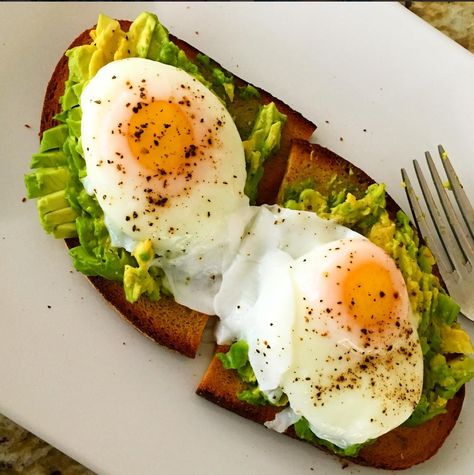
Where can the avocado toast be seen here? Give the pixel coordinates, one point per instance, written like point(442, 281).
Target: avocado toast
point(311, 166)
point(165, 321)
point(274, 174)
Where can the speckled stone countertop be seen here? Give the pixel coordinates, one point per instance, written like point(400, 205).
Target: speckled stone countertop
point(22, 452)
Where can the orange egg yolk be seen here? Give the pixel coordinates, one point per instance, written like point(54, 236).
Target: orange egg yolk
point(160, 136)
point(370, 295)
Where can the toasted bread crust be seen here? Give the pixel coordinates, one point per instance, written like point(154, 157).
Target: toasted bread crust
point(401, 448)
point(407, 446)
point(172, 325)
point(165, 321)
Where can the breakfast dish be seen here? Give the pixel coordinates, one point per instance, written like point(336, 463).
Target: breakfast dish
point(154, 176)
point(341, 377)
point(170, 324)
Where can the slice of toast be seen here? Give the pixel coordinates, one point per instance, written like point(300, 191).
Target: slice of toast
point(402, 447)
point(165, 321)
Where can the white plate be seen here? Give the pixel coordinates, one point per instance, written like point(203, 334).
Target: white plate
point(75, 373)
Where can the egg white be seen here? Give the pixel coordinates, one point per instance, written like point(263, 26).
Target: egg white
point(352, 384)
point(256, 301)
point(216, 188)
point(187, 215)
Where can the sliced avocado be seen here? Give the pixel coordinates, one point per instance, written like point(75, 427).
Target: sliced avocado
point(262, 142)
point(53, 138)
point(69, 99)
point(141, 33)
point(55, 214)
point(78, 62)
point(46, 180)
point(73, 121)
point(52, 202)
point(65, 231)
point(455, 340)
point(51, 220)
point(159, 38)
point(97, 60)
point(107, 37)
point(53, 158)
point(123, 50)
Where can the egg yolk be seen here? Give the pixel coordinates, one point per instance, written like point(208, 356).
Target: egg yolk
point(160, 136)
point(370, 296)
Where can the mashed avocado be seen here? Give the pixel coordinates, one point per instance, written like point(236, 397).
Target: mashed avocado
point(446, 347)
point(237, 358)
point(64, 207)
point(304, 432)
point(142, 279)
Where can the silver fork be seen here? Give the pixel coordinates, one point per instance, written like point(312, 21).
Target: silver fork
point(454, 247)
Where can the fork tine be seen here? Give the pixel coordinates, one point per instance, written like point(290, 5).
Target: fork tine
point(442, 257)
point(464, 239)
point(449, 242)
point(463, 201)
